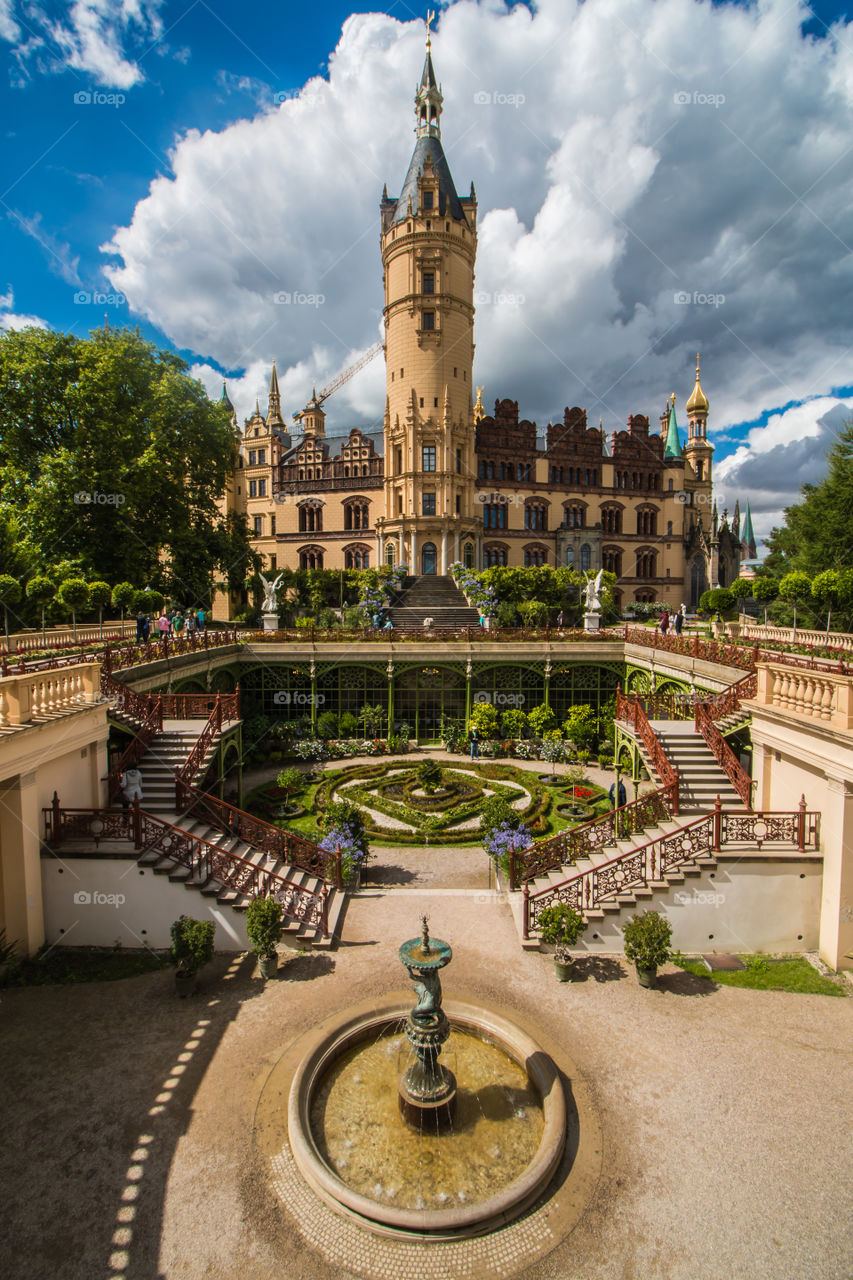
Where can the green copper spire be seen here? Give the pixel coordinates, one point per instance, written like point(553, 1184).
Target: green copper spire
point(747, 536)
point(672, 447)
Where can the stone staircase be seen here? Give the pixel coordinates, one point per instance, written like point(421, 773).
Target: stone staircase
point(622, 902)
point(701, 779)
point(167, 752)
point(433, 597)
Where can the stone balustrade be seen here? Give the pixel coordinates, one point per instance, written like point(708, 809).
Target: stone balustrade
point(35, 695)
point(819, 695)
point(787, 635)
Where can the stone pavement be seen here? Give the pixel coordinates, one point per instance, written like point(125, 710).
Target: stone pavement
point(725, 1115)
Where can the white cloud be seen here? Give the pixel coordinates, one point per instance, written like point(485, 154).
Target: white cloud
point(98, 37)
point(777, 459)
point(618, 184)
point(8, 318)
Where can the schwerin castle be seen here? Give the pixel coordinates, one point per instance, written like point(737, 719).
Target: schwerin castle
point(444, 481)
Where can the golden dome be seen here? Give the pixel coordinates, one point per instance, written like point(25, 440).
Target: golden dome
point(698, 402)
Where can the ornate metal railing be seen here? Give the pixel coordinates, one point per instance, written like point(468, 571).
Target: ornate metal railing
point(219, 713)
point(591, 888)
point(205, 861)
point(723, 754)
point(581, 841)
point(285, 845)
point(630, 710)
point(731, 655)
point(151, 725)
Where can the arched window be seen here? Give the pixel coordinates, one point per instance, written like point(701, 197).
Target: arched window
point(494, 553)
point(311, 558)
point(356, 514)
point(310, 518)
point(586, 557)
point(429, 559)
point(535, 556)
point(357, 557)
point(389, 554)
point(468, 555)
point(612, 560)
point(570, 556)
point(536, 516)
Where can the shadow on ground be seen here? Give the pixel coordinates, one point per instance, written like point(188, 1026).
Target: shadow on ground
point(598, 969)
point(389, 875)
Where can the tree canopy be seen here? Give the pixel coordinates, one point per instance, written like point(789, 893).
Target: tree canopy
point(114, 457)
point(818, 530)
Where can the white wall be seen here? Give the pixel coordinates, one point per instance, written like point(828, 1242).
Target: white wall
point(127, 903)
point(750, 904)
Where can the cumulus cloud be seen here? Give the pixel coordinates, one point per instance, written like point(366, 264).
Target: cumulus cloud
point(97, 37)
point(10, 320)
point(654, 177)
point(777, 459)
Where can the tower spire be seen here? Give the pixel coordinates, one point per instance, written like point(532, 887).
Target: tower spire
point(428, 97)
point(274, 418)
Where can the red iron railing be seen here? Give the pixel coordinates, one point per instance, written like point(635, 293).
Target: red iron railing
point(591, 888)
point(723, 754)
point(205, 861)
point(630, 710)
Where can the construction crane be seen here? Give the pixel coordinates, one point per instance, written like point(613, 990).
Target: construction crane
point(339, 381)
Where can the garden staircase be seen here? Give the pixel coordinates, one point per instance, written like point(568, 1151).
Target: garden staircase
point(701, 779)
point(433, 597)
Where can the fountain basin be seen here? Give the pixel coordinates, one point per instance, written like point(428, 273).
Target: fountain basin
point(537, 1070)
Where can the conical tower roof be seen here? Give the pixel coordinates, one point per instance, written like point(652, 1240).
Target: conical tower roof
point(698, 402)
point(672, 445)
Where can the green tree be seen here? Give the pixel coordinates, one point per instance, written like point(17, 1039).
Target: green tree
point(122, 597)
point(795, 588)
point(10, 593)
point(765, 589)
point(741, 589)
point(541, 719)
point(41, 590)
point(74, 594)
point(581, 726)
point(111, 450)
point(100, 595)
point(833, 590)
point(717, 600)
point(485, 717)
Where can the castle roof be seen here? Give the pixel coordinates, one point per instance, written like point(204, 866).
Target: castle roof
point(672, 446)
point(429, 150)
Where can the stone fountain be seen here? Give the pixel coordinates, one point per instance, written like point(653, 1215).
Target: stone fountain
point(427, 1088)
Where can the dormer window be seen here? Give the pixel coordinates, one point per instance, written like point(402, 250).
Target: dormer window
point(429, 198)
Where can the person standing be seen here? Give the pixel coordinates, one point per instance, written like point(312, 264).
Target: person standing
point(201, 618)
point(664, 622)
point(560, 620)
point(131, 788)
point(178, 622)
point(622, 795)
point(678, 622)
point(474, 740)
point(140, 627)
point(146, 628)
point(163, 625)
point(191, 621)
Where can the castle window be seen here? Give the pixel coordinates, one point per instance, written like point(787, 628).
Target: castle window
point(273, 563)
point(668, 527)
point(647, 522)
point(429, 280)
point(459, 461)
point(429, 320)
point(646, 564)
point(311, 558)
point(534, 557)
point(262, 457)
point(428, 199)
point(428, 507)
point(611, 520)
point(253, 488)
point(586, 557)
point(435, 402)
point(262, 488)
point(570, 556)
point(468, 555)
point(253, 457)
point(428, 457)
point(481, 471)
point(493, 555)
point(700, 471)
point(458, 504)
point(612, 560)
point(272, 526)
point(389, 554)
point(398, 460)
point(258, 526)
point(399, 504)
point(495, 515)
point(310, 519)
point(357, 557)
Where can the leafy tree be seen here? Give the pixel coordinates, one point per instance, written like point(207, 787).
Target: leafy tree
point(795, 587)
point(513, 723)
point(41, 590)
point(717, 600)
point(541, 719)
point(100, 595)
point(765, 589)
point(10, 593)
point(123, 597)
point(533, 613)
point(74, 594)
point(111, 450)
point(581, 726)
point(833, 590)
point(741, 589)
point(485, 717)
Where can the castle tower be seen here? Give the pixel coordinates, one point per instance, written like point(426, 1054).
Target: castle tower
point(698, 451)
point(274, 418)
point(429, 244)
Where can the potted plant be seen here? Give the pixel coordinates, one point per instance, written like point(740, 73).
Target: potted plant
point(263, 927)
point(561, 926)
point(647, 940)
point(192, 948)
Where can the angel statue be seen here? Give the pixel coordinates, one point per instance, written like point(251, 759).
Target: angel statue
point(270, 588)
point(592, 604)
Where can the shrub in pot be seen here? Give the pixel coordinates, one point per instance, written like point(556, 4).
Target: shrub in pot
point(263, 927)
point(192, 949)
point(561, 926)
point(647, 939)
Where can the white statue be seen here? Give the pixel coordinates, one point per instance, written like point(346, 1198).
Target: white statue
point(270, 588)
point(592, 603)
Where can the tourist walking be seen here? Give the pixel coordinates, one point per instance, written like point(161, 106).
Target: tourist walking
point(560, 620)
point(201, 619)
point(146, 628)
point(623, 795)
point(664, 622)
point(191, 621)
point(474, 740)
point(178, 622)
point(131, 788)
point(678, 622)
point(140, 627)
point(163, 625)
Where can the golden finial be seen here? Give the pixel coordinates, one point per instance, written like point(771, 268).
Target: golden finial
point(430, 19)
point(479, 407)
point(672, 397)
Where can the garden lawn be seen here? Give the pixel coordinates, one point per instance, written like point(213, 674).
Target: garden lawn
point(784, 973)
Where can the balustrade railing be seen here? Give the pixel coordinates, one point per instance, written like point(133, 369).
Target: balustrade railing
point(206, 861)
point(591, 888)
point(824, 696)
point(34, 695)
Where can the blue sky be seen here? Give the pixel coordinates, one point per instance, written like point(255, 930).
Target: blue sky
point(664, 153)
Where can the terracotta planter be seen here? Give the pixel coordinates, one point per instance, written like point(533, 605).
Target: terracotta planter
point(268, 965)
point(647, 976)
